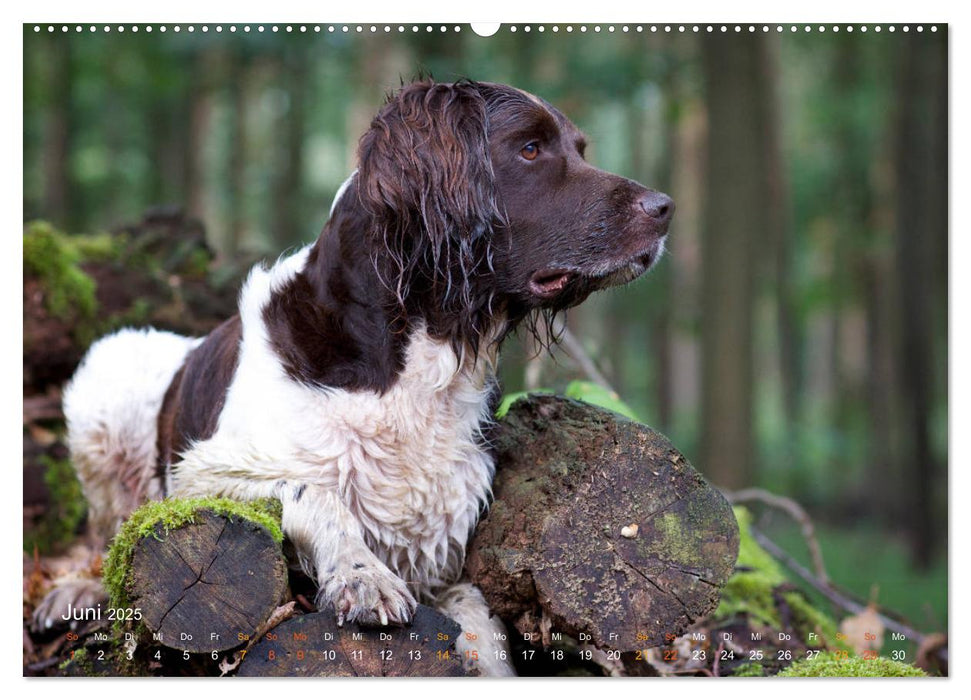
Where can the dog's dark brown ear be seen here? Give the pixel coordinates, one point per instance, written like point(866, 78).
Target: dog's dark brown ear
point(425, 175)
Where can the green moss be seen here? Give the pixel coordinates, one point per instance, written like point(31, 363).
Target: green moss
point(54, 258)
point(509, 399)
point(749, 591)
point(99, 247)
point(102, 660)
point(749, 669)
point(669, 525)
point(79, 660)
point(806, 618)
point(173, 514)
point(841, 665)
point(592, 393)
point(755, 589)
point(61, 520)
point(677, 540)
point(138, 314)
point(197, 262)
point(588, 392)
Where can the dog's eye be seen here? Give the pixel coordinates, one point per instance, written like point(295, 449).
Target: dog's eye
point(530, 151)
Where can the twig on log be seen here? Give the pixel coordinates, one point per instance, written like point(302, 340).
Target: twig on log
point(277, 617)
point(797, 513)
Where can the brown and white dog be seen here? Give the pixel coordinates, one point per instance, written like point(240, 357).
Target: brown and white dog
point(357, 381)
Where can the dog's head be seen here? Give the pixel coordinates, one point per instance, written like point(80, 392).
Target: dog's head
point(483, 204)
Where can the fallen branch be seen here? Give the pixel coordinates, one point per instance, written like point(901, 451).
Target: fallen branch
point(796, 512)
point(574, 348)
point(837, 598)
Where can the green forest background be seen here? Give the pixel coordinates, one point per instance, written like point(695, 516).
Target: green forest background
point(794, 337)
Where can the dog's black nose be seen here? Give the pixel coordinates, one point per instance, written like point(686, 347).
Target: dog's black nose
point(658, 206)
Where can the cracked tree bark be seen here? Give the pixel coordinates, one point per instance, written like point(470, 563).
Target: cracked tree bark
point(600, 529)
point(208, 585)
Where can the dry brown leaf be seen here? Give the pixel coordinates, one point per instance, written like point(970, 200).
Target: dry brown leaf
point(864, 632)
point(42, 436)
point(686, 654)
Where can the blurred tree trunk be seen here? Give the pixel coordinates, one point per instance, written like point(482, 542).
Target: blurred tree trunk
point(662, 309)
point(59, 136)
point(884, 480)
point(660, 304)
point(921, 197)
point(165, 150)
point(881, 490)
point(689, 162)
point(167, 142)
point(735, 223)
point(197, 115)
point(779, 243)
point(237, 152)
point(288, 194)
point(852, 209)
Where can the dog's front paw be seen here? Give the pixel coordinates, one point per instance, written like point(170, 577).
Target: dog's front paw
point(70, 594)
point(368, 594)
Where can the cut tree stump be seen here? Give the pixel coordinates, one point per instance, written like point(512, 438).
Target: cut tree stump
point(209, 584)
point(313, 645)
point(600, 529)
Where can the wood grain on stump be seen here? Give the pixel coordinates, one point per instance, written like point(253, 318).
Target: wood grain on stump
point(600, 528)
point(313, 645)
point(203, 585)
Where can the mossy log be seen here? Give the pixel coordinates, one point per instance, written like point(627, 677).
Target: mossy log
point(600, 529)
point(313, 645)
point(204, 575)
point(79, 287)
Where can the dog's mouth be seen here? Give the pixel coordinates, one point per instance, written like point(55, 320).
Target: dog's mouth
point(642, 263)
point(546, 284)
point(550, 283)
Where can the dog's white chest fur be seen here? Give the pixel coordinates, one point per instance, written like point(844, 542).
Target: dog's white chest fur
point(408, 464)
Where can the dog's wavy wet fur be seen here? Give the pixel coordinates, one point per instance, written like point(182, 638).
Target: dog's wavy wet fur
point(357, 382)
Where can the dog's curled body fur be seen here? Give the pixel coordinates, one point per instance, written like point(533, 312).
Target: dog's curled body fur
point(408, 464)
point(401, 475)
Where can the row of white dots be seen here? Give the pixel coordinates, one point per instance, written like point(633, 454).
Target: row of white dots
point(302, 28)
